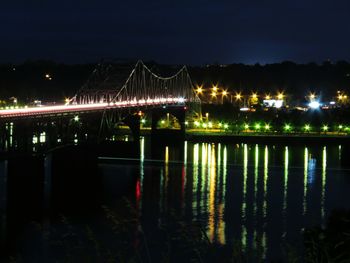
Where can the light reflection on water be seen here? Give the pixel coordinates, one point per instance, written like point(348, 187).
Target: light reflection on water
point(261, 195)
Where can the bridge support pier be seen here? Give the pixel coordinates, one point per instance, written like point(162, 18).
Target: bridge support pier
point(133, 121)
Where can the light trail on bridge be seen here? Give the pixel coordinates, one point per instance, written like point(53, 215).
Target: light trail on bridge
point(76, 108)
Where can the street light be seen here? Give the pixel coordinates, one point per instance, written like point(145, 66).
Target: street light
point(280, 95)
point(307, 127)
point(199, 90)
point(238, 96)
point(312, 96)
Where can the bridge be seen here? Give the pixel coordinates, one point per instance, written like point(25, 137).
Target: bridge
point(102, 102)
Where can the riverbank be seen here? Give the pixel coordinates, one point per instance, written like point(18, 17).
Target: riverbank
point(252, 137)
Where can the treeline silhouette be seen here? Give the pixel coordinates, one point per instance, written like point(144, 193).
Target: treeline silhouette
point(28, 81)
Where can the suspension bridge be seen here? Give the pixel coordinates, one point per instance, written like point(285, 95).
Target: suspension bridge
point(101, 104)
point(101, 92)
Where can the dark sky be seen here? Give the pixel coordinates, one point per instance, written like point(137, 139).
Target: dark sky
point(183, 32)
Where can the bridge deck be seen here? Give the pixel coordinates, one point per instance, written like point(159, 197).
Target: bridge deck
point(62, 109)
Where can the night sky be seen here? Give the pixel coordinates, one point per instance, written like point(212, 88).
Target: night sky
point(182, 32)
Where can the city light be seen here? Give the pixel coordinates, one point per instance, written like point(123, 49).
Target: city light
point(76, 118)
point(238, 96)
point(254, 95)
point(325, 128)
point(257, 126)
point(143, 121)
point(314, 104)
point(196, 123)
point(226, 126)
point(280, 96)
point(307, 127)
point(215, 88)
point(213, 94)
point(199, 90)
point(210, 125)
point(287, 127)
point(246, 126)
point(312, 96)
point(267, 97)
point(267, 127)
point(224, 93)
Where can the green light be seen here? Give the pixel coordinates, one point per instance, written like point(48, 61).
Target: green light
point(307, 127)
point(340, 127)
point(246, 126)
point(325, 128)
point(287, 127)
point(76, 118)
point(204, 125)
point(267, 127)
point(162, 122)
point(196, 123)
point(257, 126)
point(186, 122)
point(225, 126)
point(220, 124)
point(210, 125)
point(143, 121)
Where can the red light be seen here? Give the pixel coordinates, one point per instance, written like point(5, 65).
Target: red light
point(138, 190)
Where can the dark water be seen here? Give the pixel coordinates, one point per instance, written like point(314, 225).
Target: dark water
point(260, 196)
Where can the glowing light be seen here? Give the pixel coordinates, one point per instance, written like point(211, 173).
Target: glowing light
point(254, 95)
point(215, 88)
point(196, 123)
point(340, 127)
point(246, 126)
point(224, 93)
point(76, 118)
point(226, 126)
point(314, 104)
point(325, 128)
point(213, 94)
point(162, 121)
point(257, 126)
point(244, 109)
point(143, 121)
point(267, 127)
point(199, 90)
point(204, 125)
point(210, 125)
point(238, 96)
point(287, 127)
point(186, 122)
point(280, 96)
point(181, 100)
point(307, 127)
point(312, 96)
point(267, 97)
